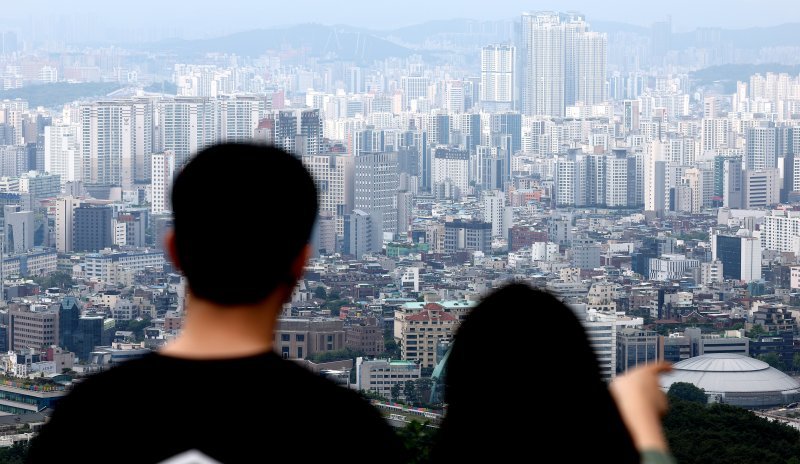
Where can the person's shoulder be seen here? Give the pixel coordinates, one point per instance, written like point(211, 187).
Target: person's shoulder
point(118, 375)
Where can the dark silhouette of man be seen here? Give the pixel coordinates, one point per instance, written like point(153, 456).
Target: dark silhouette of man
point(243, 215)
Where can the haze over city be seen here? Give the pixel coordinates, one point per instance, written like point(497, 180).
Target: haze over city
point(639, 164)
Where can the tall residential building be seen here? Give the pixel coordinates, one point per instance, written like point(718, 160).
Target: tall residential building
point(239, 117)
point(65, 219)
point(591, 62)
point(62, 155)
point(761, 151)
point(376, 184)
point(740, 256)
point(115, 140)
point(542, 73)
point(333, 175)
point(296, 131)
point(497, 77)
point(187, 125)
point(780, 231)
point(561, 63)
point(162, 172)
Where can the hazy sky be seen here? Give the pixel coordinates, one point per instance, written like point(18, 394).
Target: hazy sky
point(195, 15)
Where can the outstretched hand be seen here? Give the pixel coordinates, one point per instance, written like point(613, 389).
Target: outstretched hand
point(642, 403)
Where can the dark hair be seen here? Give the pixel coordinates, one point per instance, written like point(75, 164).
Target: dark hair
point(217, 199)
point(520, 379)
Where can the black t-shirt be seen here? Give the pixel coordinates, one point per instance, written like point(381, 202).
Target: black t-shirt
point(252, 409)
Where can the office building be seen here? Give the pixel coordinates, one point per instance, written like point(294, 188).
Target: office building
point(19, 227)
point(380, 375)
point(636, 347)
point(362, 234)
point(365, 337)
point(32, 326)
point(740, 256)
point(299, 338)
point(671, 267)
point(467, 236)
point(65, 220)
point(761, 188)
point(92, 228)
point(376, 184)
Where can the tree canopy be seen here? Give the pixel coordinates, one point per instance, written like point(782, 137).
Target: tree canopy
point(722, 433)
point(687, 392)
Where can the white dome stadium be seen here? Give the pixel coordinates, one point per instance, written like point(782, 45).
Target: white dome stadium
point(735, 379)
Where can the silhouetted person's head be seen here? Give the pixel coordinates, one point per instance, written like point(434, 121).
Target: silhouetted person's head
point(243, 216)
point(521, 381)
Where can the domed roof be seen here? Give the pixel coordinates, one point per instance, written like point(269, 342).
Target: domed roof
point(721, 362)
point(730, 373)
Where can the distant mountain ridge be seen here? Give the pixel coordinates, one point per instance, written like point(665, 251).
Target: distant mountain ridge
point(358, 44)
point(322, 41)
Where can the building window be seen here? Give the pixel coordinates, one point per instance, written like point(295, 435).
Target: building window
point(285, 352)
point(284, 337)
point(300, 337)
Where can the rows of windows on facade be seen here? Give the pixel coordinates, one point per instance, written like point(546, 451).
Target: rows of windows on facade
point(661, 209)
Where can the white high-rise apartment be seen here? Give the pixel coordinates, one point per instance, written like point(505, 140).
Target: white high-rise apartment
point(497, 77)
point(761, 150)
point(115, 139)
point(591, 57)
point(616, 181)
point(561, 63)
point(781, 231)
point(62, 152)
point(543, 76)
point(333, 175)
point(239, 117)
point(187, 125)
point(162, 173)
